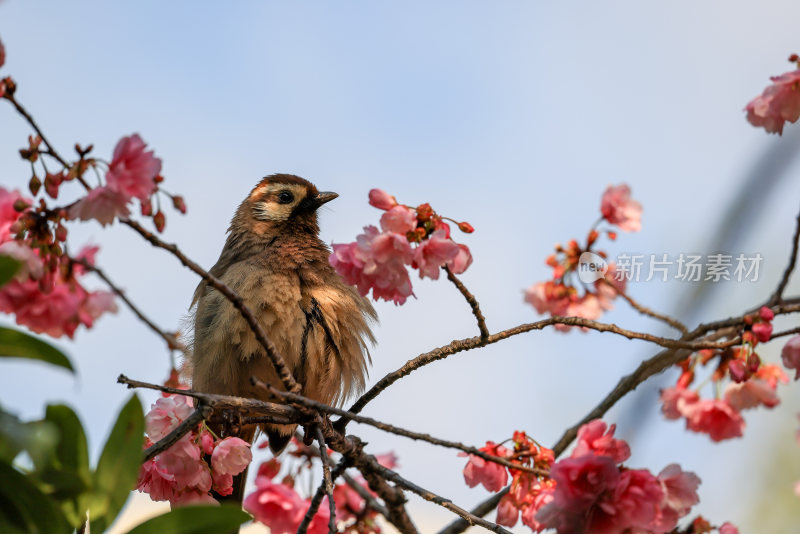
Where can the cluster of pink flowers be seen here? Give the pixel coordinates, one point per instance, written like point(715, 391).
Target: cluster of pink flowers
point(416, 237)
point(45, 295)
point(780, 102)
point(132, 173)
point(181, 474)
point(566, 294)
point(752, 383)
point(278, 505)
point(528, 492)
point(589, 491)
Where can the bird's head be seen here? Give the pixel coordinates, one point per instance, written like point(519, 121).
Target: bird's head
point(282, 202)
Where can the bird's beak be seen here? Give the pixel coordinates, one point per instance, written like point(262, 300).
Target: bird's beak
point(323, 197)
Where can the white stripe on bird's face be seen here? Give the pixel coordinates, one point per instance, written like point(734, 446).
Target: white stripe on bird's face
point(276, 201)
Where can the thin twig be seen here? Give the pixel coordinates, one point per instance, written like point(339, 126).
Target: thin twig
point(475, 342)
point(327, 481)
point(316, 500)
point(783, 333)
point(354, 485)
point(644, 310)
point(787, 273)
point(369, 500)
point(460, 525)
point(50, 150)
point(428, 495)
point(386, 427)
point(170, 339)
point(187, 425)
point(471, 300)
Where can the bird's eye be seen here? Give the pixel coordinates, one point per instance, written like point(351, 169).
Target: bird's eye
point(285, 197)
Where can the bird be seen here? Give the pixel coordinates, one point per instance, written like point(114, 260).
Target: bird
point(322, 327)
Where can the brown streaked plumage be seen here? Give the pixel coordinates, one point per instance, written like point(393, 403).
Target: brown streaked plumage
point(274, 259)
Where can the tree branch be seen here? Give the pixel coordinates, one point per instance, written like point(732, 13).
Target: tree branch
point(475, 342)
point(471, 300)
point(202, 413)
point(386, 427)
point(674, 323)
point(170, 339)
point(787, 273)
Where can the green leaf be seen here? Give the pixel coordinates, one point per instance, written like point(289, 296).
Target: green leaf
point(195, 520)
point(16, 344)
point(8, 268)
point(23, 507)
point(72, 453)
point(118, 467)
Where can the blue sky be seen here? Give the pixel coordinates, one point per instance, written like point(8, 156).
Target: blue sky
point(512, 115)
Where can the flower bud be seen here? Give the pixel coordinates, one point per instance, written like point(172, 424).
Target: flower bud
point(20, 205)
point(160, 221)
point(61, 233)
point(179, 204)
point(34, 185)
point(466, 227)
point(753, 362)
point(424, 212)
point(766, 314)
point(737, 371)
point(147, 208)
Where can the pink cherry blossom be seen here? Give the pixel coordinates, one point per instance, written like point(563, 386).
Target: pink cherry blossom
point(276, 505)
point(634, 504)
point(580, 482)
point(680, 494)
point(728, 528)
point(376, 261)
point(716, 418)
point(462, 261)
point(207, 442)
point(102, 204)
point(192, 497)
point(399, 219)
point(750, 394)
point(133, 169)
point(381, 199)
point(507, 511)
point(548, 297)
point(587, 307)
point(165, 415)
point(780, 102)
point(156, 481)
point(184, 461)
point(479, 471)
point(56, 313)
point(433, 253)
point(790, 355)
point(222, 483)
point(231, 456)
point(676, 401)
point(618, 208)
point(8, 215)
point(593, 439)
point(541, 499)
